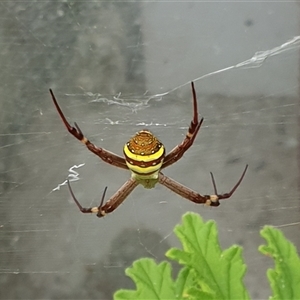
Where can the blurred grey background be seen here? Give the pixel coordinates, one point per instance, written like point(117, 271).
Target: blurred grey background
point(116, 68)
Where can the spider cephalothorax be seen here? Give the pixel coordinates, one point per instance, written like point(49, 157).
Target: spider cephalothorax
point(144, 155)
point(145, 158)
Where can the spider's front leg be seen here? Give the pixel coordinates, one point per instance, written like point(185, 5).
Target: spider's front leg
point(187, 193)
point(175, 154)
point(105, 155)
point(112, 203)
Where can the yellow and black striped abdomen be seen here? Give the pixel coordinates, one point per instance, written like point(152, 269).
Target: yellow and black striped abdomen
point(144, 153)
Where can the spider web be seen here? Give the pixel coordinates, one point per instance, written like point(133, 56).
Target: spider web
point(116, 68)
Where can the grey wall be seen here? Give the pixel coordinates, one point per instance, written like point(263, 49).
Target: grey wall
point(107, 63)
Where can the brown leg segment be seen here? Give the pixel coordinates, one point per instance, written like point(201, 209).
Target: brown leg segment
point(105, 155)
point(175, 154)
point(112, 203)
point(189, 194)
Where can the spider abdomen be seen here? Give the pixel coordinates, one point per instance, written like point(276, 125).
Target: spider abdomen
point(144, 154)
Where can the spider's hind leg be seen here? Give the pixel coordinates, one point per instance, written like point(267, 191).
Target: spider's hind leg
point(90, 210)
point(226, 195)
point(189, 194)
point(112, 203)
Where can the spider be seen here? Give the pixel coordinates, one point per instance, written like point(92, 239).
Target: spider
point(145, 156)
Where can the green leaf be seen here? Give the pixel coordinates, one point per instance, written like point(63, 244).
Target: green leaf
point(185, 287)
point(153, 281)
point(285, 277)
point(217, 273)
point(183, 282)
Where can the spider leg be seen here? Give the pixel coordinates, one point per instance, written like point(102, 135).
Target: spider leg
point(189, 194)
point(105, 155)
point(87, 210)
point(177, 152)
point(227, 195)
point(112, 203)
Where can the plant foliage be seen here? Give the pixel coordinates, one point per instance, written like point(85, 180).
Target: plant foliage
point(285, 277)
point(208, 272)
